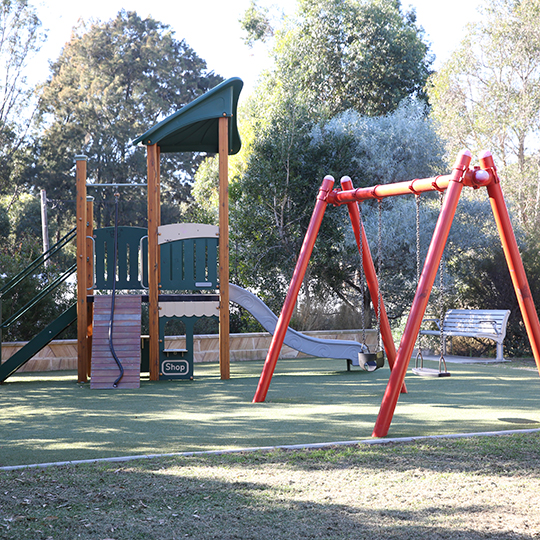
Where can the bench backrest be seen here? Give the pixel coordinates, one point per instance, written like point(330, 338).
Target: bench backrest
point(479, 322)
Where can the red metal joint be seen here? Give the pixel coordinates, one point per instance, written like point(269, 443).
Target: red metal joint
point(374, 193)
point(411, 187)
point(436, 186)
point(332, 197)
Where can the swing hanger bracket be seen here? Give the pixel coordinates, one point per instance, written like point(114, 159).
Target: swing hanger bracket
point(478, 178)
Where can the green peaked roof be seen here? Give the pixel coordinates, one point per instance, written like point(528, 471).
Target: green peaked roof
point(194, 128)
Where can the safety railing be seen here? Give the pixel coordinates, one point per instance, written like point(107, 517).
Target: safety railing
point(29, 271)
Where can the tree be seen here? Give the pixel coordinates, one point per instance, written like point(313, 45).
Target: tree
point(344, 54)
point(20, 38)
point(488, 96)
point(112, 82)
point(256, 24)
point(272, 200)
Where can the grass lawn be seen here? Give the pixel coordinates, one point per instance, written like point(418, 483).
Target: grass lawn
point(49, 417)
point(475, 488)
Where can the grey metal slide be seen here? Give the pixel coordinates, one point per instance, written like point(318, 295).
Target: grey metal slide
point(323, 348)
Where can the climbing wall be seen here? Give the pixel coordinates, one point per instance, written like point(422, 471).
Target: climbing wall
point(126, 341)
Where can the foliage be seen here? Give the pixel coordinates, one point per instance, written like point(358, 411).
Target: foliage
point(488, 96)
point(113, 81)
point(345, 54)
point(256, 24)
point(206, 192)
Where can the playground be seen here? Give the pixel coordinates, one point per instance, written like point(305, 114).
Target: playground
point(181, 271)
point(160, 447)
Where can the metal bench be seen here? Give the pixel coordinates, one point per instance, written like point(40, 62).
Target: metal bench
point(474, 323)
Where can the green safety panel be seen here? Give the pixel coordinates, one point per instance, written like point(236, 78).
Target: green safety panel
point(189, 264)
point(128, 273)
point(40, 340)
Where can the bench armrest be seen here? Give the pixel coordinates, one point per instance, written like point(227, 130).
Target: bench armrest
point(436, 321)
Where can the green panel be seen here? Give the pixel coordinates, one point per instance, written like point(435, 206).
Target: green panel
point(127, 261)
point(212, 261)
point(14, 362)
point(194, 128)
point(200, 262)
point(189, 264)
point(176, 365)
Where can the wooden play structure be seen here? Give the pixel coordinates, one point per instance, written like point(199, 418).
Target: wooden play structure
point(484, 176)
point(180, 270)
point(208, 124)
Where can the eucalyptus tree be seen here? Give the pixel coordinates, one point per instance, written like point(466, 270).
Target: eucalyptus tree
point(488, 96)
point(274, 196)
point(348, 54)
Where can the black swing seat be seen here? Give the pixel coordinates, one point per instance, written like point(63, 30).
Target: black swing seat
point(371, 361)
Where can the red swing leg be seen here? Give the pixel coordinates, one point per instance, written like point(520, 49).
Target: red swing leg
point(418, 308)
point(371, 279)
point(294, 289)
point(513, 258)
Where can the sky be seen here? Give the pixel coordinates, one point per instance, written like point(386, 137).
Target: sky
point(211, 28)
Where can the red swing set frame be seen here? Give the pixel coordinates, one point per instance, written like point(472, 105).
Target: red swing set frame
point(462, 175)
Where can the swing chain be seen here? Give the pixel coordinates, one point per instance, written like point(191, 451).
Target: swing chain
point(362, 293)
point(419, 355)
point(417, 200)
point(379, 276)
point(441, 299)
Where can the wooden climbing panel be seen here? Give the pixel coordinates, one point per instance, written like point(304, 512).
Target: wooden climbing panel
point(126, 339)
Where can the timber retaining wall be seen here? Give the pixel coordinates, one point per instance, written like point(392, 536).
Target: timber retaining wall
point(62, 354)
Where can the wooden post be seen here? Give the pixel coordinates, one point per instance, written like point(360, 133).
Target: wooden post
point(89, 281)
point(224, 358)
point(82, 311)
point(153, 258)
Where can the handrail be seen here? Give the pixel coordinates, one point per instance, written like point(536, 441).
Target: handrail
point(71, 270)
point(141, 269)
point(92, 258)
point(37, 262)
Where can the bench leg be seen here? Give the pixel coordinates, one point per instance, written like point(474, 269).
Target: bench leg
point(500, 352)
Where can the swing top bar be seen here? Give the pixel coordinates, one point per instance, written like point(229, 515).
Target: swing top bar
point(472, 178)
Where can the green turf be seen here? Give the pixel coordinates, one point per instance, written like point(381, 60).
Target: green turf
point(49, 417)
